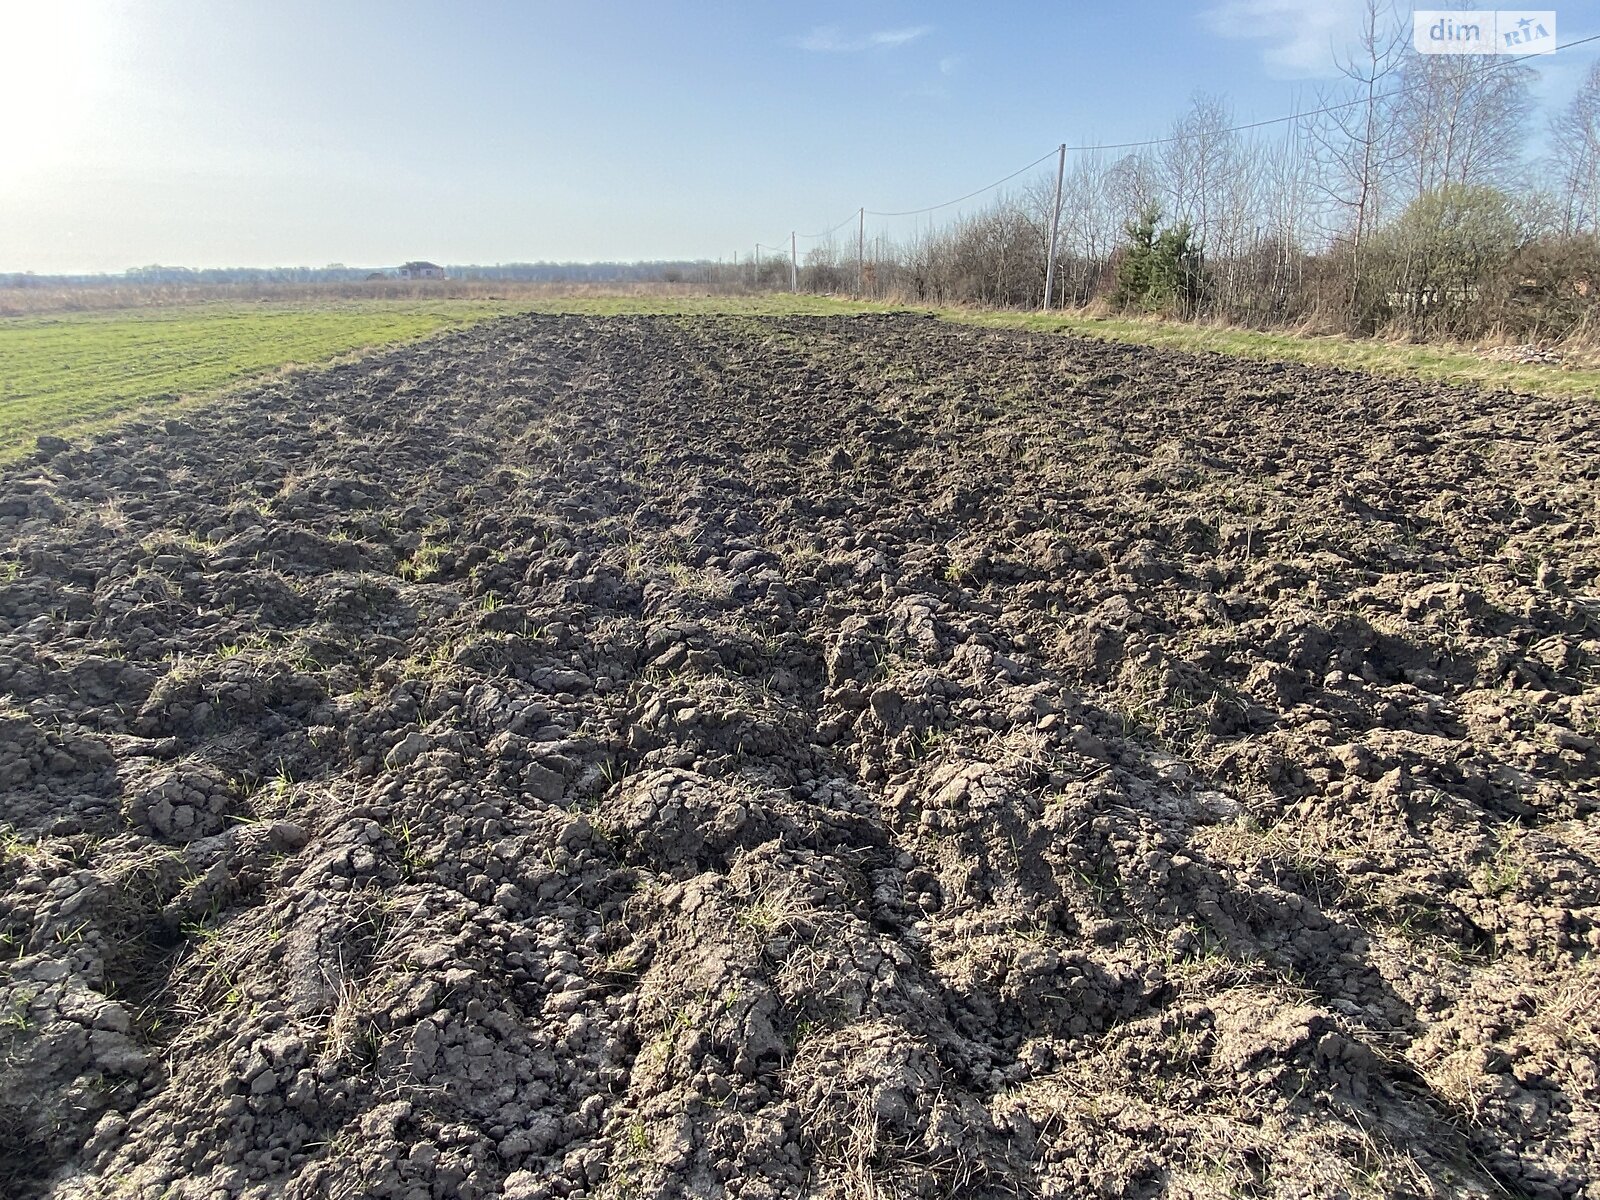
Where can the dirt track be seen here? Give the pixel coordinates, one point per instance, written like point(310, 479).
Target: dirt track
point(817, 757)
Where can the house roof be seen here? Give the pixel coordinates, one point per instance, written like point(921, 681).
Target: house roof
point(420, 265)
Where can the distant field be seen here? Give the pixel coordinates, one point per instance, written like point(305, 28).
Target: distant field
point(71, 372)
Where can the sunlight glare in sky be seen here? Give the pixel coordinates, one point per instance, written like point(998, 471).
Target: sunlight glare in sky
point(55, 60)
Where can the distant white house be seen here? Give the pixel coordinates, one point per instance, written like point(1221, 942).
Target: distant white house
point(421, 270)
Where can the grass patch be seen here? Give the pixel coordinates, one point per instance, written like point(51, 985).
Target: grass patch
point(71, 372)
point(1437, 363)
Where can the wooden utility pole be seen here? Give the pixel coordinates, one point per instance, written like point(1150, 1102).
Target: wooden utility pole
point(794, 263)
point(1055, 226)
point(861, 247)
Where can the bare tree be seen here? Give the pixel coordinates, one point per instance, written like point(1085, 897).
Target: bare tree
point(1131, 187)
point(1461, 120)
point(1272, 279)
point(1216, 182)
point(1575, 156)
point(1353, 137)
point(1194, 165)
point(1093, 213)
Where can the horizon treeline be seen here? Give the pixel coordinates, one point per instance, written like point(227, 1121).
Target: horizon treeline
point(522, 272)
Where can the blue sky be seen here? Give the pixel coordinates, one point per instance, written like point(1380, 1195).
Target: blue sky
point(248, 132)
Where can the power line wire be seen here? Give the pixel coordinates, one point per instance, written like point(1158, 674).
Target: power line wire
point(913, 212)
point(1327, 108)
point(829, 232)
point(1321, 110)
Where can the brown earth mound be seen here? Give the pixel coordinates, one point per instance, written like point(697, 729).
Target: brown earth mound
point(818, 757)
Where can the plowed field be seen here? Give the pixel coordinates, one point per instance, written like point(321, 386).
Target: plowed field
point(804, 757)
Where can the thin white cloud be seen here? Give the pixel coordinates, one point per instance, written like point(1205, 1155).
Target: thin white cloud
point(898, 37)
point(1301, 38)
point(951, 63)
point(830, 39)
